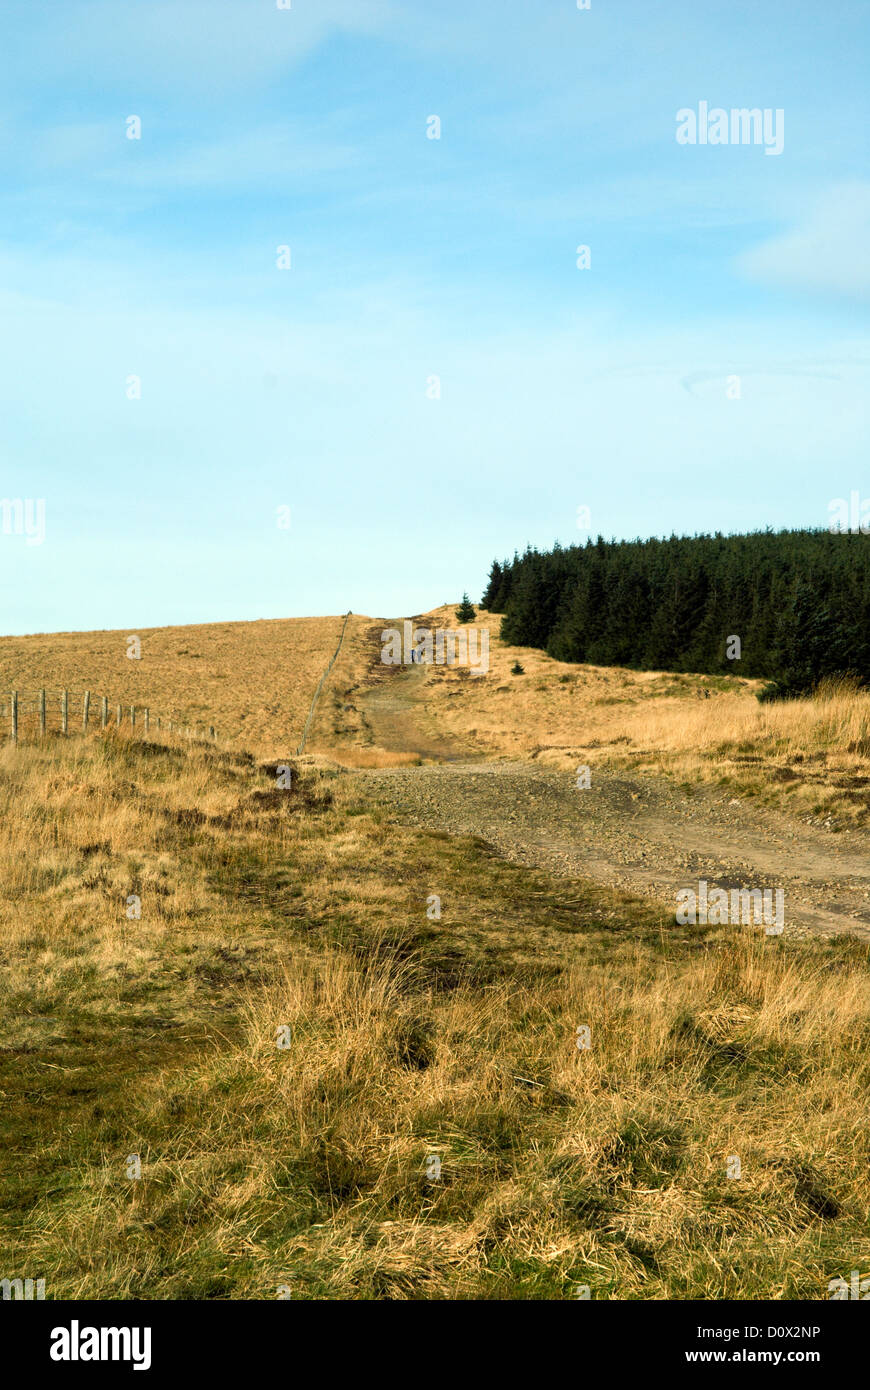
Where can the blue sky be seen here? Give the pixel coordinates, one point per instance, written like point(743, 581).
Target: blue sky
point(411, 258)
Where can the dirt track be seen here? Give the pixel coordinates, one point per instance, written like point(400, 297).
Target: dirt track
point(393, 712)
point(647, 835)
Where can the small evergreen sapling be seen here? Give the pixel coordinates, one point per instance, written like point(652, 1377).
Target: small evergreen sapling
point(466, 611)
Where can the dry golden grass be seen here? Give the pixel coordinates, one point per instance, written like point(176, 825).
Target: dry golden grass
point(409, 1038)
point(253, 681)
point(307, 1166)
point(376, 757)
point(809, 754)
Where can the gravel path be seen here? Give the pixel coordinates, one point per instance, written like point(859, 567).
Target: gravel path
point(646, 836)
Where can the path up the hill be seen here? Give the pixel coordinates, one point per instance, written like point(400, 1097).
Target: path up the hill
point(645, 835)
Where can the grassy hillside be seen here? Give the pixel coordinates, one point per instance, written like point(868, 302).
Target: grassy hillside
point(254, 681)
point(308, 1166)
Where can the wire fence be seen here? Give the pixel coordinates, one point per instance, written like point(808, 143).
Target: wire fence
point(38, 713)
point(320, 684)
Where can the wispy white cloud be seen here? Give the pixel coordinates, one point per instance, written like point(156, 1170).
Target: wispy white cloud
point(186, 48)
point(826, 252)
point(251, 159)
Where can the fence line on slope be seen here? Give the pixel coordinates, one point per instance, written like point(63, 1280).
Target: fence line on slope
point(17, 708)
point(320, 684)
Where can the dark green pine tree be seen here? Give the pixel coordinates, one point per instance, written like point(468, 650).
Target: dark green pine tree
point(466, 610)
point(491, 591)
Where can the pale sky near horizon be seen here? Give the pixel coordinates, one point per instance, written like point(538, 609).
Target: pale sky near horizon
point(412, 257)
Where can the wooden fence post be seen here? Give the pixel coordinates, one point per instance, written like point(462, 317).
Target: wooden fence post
point(14, 713)
point(104, 711)
point(42, 714)
point(211, 731)
point(147, 719)
point(86, 710)
point(64, 710)
point(132, 716)
point(118, 717)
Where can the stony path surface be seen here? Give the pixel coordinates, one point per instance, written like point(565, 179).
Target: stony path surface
point(646, 836)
